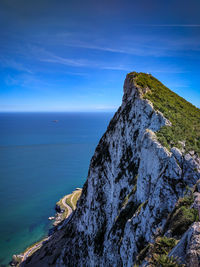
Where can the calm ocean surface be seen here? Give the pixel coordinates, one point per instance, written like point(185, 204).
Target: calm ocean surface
point(41, 161)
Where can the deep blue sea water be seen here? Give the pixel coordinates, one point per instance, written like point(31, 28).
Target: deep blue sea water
point(41, 161)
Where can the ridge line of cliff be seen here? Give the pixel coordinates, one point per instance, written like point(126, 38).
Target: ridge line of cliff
point(134, 183)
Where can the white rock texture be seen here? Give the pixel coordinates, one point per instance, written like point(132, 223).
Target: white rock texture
point(133, 184)
point(187, 251)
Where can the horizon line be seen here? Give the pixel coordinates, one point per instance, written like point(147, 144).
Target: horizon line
point(57, 111)
point(169, 25)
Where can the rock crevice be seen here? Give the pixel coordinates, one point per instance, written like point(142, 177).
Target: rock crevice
point(133, 184)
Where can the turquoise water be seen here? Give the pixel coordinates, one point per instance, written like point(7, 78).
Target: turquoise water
point(41, 161)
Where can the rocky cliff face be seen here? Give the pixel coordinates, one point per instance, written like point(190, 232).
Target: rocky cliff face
point(132, 187)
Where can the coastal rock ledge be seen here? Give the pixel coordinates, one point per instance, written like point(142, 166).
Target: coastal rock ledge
point(137, 201)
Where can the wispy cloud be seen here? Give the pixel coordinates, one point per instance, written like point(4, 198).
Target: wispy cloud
point(65, 61)
point(119, 67)
point(98, 47)
point(75, 73)
point(13, 64)
point(46, 56)
point(41, 54)
point(30, 81)
point(134, 44)
point(11, 80)
point(82, 63)
point(138, 49)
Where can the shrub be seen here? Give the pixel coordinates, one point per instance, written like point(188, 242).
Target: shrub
point(164, 244)
point(165, 261)
point(182, 216)
point(184, 116)
point(159, 252)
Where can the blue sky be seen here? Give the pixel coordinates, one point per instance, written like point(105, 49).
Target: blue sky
point(74, 55)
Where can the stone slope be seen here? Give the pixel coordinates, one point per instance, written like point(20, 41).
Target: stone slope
point(188, 249)
point(132, 186)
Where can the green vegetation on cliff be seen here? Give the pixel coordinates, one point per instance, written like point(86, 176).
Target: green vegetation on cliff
point(185, 117)
point(182, 216)
point(157, 253)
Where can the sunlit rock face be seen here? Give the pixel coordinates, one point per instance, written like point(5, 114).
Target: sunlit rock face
point(133, 184)
point(188, 249)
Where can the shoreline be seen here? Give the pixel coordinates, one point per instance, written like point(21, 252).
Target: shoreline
point(64, 208)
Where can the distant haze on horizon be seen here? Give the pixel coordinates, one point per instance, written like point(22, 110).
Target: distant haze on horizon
point(74, 56)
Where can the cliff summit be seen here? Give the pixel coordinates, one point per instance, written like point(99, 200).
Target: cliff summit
point(137, 206)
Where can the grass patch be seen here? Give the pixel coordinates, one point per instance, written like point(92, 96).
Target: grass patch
point(76, 197)
point(68, 202)
point(60, 204)
point(158, 252)
point(163, 245)
point(73, 198)
point(165, 261)
point(65, 214)
point(182, 216)
point(127, 197)
point(142, 205)
point(184, 116)
point(34, 244)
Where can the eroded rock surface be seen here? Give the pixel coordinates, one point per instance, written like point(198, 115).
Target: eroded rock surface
point(188, 249)
point(133, 184)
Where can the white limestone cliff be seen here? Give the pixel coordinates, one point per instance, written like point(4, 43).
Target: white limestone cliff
point(133, 184)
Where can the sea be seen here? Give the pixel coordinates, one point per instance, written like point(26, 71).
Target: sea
point(43, 156)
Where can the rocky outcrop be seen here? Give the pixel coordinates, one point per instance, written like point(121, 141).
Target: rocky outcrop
point(133, 184)
point(188, 249)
